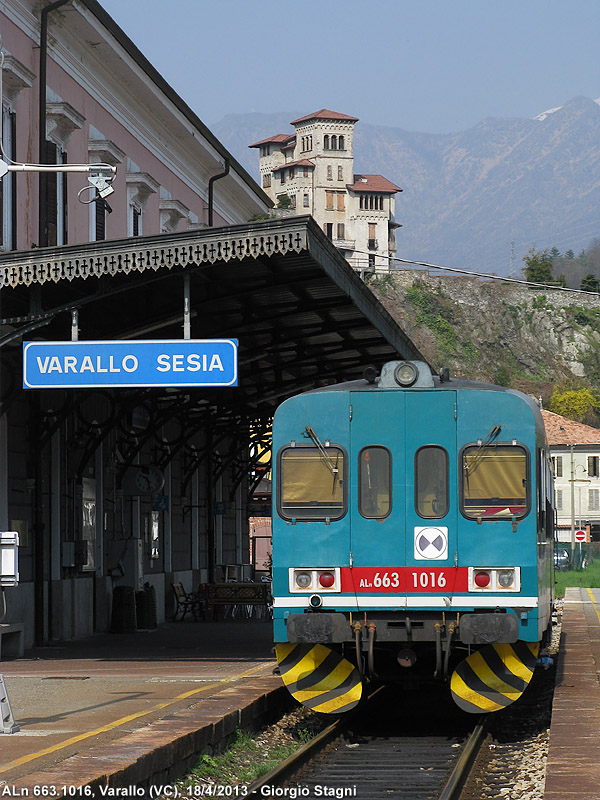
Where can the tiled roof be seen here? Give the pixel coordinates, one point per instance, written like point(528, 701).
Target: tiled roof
point(373, 183)
point(324, 113)
point(561, 430)
point(304, 162)
point(276, 139)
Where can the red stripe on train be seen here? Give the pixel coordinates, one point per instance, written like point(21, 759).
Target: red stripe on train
point(397, 580)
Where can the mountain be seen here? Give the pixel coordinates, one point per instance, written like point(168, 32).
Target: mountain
point(468, 195)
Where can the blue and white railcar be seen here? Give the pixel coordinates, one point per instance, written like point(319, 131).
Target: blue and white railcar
point(412, 530)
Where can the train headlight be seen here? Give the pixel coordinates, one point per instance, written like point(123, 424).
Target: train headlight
point(506, 578)
point(482, 579)
point(406, 374)
point(315, 601)
point(303, 580)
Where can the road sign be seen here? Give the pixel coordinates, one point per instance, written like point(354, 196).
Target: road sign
point(144, 362)
point(580, 536)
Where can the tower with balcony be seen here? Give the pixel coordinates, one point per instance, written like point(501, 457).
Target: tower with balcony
point(312, 172)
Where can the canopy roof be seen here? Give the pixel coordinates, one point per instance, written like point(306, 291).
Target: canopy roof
point(302, 316)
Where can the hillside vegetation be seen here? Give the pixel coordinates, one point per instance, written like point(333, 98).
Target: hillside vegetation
point(543, 342)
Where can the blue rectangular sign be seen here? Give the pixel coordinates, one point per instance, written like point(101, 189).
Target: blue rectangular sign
point(144, 362)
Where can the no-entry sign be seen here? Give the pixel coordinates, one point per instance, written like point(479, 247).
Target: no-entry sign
point(94, 364)
point(580, 536)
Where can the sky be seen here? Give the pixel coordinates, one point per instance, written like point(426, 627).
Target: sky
point(435, 66)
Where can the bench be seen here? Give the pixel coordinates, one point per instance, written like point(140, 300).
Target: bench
point(12, 643)
point(237, 595)
point(186, 602)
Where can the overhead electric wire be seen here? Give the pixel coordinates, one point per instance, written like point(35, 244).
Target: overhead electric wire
point(487, 275)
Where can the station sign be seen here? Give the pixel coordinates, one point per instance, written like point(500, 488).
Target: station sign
point(128, 364)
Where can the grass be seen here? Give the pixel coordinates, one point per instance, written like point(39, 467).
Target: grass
point(584, 578)
point(243, 762)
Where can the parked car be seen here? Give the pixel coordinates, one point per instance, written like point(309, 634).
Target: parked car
point(561, 559)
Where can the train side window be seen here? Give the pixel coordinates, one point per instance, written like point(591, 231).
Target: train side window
point(495, 480)
point(375, 482)
point(312, 483)
point(431, 482)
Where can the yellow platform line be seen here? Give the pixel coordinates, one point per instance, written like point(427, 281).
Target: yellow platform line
point(124, 720)
point(591, 594)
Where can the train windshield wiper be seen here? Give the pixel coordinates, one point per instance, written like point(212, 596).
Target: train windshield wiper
point(471, 465)
point(331, 466)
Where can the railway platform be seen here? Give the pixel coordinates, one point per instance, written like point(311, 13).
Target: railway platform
point(116, 711)
point(573, 768)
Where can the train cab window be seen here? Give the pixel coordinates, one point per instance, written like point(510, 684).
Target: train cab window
point(494, 482)
point(374, 482)
point(312, 483)
point(431, 482)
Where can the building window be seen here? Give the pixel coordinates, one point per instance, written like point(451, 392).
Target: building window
point(306, 201)
point(292, 173)
point(340, 143)
point(340, 173)
point(8, 217)
point(292, 201)
point(593, 466)
point(305, 172)
point(559, 499)
point(340, 230)
point(329, 201)
point(557, 466)
point(326, 142)
point(56, 198)
point(282, 176)
point(135, 220)
point(100, 210)
point(266, 181)
point(328, 228)
point(594, 500)
point(340, 201)
point(334, 142)
point(329, 172)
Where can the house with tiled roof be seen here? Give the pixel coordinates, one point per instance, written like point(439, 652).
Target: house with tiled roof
point(312, 172)
point(575, 453)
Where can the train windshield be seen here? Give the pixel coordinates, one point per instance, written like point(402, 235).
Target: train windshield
point(494, 482)
point(312, 483)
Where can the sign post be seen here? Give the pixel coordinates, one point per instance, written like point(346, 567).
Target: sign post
point(128, 364)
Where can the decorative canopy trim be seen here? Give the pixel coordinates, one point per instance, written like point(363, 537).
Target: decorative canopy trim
point(138, 255)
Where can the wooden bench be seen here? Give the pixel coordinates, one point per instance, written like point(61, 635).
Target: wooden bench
point(12, 643)
point(186, 602)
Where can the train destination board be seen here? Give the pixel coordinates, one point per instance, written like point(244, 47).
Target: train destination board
point(144, 362)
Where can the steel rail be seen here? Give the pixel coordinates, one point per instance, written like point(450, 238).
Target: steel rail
point(462, 768)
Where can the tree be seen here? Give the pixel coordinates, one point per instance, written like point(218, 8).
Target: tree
point(555, 252)
point(590, 283)
point(569, 254)
point(575, 403)
point(284, 201)
point(538, 266)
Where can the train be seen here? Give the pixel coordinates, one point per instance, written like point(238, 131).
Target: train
point(413, 537)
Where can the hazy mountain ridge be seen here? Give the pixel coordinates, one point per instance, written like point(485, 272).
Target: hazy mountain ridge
point(468, 194)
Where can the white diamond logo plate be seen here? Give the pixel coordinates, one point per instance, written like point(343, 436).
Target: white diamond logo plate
point(431, 544)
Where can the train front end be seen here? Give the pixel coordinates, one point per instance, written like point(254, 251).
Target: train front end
point(412, 536)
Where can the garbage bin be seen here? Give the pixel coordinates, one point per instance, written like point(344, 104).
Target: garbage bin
point(123, 618)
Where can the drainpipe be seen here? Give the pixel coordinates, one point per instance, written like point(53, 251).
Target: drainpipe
point(211, 190)
point(42, 232)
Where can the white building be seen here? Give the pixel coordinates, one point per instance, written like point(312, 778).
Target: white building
point(312, 172)
point(575, 454)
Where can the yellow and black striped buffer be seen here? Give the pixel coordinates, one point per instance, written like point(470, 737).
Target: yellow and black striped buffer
point(318, 677)
point(493, 677)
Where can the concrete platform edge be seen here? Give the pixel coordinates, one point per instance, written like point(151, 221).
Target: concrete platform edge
point(165, 750)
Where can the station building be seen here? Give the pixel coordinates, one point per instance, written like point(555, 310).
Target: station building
point(148, 485)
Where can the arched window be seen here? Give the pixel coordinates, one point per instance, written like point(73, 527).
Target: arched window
point(329, 173)
point(341, 143)
point(326, 142)
point(334, 142)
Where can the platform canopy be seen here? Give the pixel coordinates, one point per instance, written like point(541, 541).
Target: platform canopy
point(302, 316)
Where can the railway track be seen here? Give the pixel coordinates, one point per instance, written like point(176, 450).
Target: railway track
point(365, 758)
